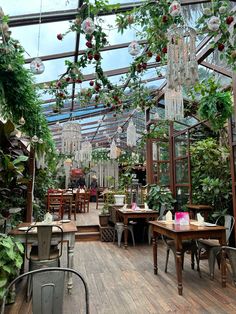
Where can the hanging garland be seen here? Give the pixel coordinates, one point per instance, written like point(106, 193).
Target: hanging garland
point(218, 21)
point(156, 23)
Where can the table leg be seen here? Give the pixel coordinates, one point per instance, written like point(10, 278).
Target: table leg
point(70, 261)
point(178, 244)
point(154, 247)
point(126, 232)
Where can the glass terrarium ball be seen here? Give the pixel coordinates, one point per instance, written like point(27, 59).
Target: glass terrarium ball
point(35, 139)
point(37, 66)
point(134, 48)
point(88, 26)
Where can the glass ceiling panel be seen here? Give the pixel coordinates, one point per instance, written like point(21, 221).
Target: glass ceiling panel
point(16, 7)
point(49, 44)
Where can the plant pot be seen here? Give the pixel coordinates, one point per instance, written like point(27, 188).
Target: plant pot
point(103, 220)
point(119, 199)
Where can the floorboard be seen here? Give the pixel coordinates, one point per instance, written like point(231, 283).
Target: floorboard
point(122, 281)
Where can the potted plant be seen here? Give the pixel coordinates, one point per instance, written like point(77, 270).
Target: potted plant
point(159, 196)
point(11, 259)
point(119, 197)
point(104, 215)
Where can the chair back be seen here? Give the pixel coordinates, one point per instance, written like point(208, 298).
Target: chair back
point(229, 222)
point(44, 236)
point(48, 290)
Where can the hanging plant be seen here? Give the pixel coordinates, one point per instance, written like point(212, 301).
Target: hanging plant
point(214, 105)
point(218, 21)
point(100, 155)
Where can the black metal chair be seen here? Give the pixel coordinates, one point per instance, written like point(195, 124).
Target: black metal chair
point(48, 290)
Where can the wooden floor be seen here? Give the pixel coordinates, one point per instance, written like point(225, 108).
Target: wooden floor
point(90, 218)
point(122, 282)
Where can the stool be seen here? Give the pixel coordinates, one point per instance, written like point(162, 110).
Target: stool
point(119, 228)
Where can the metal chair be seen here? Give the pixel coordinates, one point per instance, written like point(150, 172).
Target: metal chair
point(212, 247)
point(45, 252)
point(230, 253)
point(119, 227)
point(48, 286)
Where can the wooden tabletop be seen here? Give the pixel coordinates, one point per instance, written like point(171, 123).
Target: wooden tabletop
point(66, 227)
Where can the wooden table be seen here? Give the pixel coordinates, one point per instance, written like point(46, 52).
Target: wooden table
point(126, 215)
point(194, 209)
point(69, 230)
point(178, 234)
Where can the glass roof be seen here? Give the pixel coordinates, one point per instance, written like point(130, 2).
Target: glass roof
point(41, 40)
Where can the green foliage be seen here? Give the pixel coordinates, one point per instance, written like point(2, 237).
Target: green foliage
point(211, 179)
point(18, 95)
point(221, 9)
point(214, 105)
point(100, 155)
point(11, 253)
point(159, 196)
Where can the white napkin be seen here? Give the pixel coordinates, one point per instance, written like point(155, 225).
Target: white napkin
point(200, 219)
point(169, 216)
point(146, 206)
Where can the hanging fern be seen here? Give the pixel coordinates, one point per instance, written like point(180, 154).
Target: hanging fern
point(216, 108)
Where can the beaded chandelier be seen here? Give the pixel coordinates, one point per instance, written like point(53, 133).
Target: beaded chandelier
point(182, 69)
point(71, 137)
point(131, 134)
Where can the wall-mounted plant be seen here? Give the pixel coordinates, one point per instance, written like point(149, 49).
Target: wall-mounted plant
point(214, 105)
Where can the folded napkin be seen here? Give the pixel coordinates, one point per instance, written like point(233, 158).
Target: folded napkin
point(200, 219)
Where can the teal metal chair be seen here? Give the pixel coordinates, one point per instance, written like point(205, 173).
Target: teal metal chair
point(48, 285)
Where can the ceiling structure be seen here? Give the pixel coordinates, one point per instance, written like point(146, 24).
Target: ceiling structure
point(41, 21)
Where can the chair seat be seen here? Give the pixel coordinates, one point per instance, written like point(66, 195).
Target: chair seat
point(54, 254)
point(209, 242)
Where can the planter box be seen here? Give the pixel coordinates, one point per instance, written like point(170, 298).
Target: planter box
point(103, 220)
point(107, 234)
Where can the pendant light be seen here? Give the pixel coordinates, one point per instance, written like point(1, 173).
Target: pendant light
point(37, 66)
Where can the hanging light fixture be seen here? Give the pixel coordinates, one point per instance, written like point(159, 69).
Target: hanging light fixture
point(182, 68)
point(88, 26)
point(35, 139)
point(119, 129)
point(131, 134)
point(113, 150)
point(36, 65)
point(21, 121)
point(134, 48)
point(71, 137)
point(86, 151)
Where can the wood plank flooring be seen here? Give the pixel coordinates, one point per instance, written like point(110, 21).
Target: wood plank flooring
point(122, 281)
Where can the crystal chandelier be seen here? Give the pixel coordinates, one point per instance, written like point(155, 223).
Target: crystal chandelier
point(71, 137)
point(182, 68)
point(131, 134)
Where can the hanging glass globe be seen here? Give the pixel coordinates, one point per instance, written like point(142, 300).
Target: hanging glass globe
point(175, 8)
point(118, 140)
point(119, 129)
point(134, 48)
point(35, 139)
point(21, 121)
point(97, 144)
point(37, 66)
point(156, 116)
point(40, 141)
point(88, 26)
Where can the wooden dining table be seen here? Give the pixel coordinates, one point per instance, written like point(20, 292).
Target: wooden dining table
point(69, 229)
point(128, 214)
point(188, 232)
